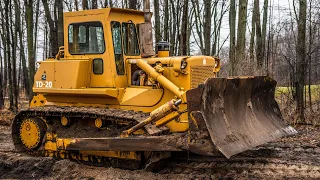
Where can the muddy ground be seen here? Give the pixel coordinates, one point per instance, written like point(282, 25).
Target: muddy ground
point(296, 157)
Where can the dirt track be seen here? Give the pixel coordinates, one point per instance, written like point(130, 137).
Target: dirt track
point(295, 157)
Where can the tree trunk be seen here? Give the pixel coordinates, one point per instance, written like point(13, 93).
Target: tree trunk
point(76, 5)
point(259, 50)
point(133, 4)
point(217, 25)
point(29, 24)
point(85, 4)
point(311, 37)
point(53, 43)
point(94, 4)
point(9, 59)
point(46, 48)
point(301, 59)
point(173, 31)
point(232, 24)
point(177, 24)
point(5, 69)
point(166, 20)
point(22, 53)
point(241, 35)
point(14, 35)
point(199, 26)
point(207, 27)
point(60, 22)
point(264, 28)
point(1, 85)
point(36, 29)
point(157, 21)
point(184, 29)
point(253, 33)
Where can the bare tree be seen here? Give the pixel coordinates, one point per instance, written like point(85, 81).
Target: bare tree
point(133, 4)
point(184, 29)
point(241, 35)
point(31, 53)
point(166, 20)
point(85, 4)
point(253, 33)
point(1, 83)
point(25, 76)
point(157, 20)
point(232, 25)
point(207, 27)
point(55, 23)
point(260, 47)
point(301, 59)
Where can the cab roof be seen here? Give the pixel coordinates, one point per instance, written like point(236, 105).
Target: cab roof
point(104, 11)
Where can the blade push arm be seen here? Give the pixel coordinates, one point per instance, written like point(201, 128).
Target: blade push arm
point(181, 94)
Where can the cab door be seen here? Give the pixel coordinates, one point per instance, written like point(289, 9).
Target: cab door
point(87, 39)
point(117, 56)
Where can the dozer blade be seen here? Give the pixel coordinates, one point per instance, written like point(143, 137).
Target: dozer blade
point(239, 113)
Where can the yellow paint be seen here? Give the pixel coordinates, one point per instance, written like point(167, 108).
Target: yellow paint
point(163, 121)
point(75, 84)
point(64, 121)
point(73, 72)
point(114, 154)
point(38, 100)
point(139, 132)
point(92, 92)
point(60, 145)
point(62, 155)
point(163, 53)
point(132, 95)
point(30, 133)
point(49, 136)
point(98, 122)
point(49, 145)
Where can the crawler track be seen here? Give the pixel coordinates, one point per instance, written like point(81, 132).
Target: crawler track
point(82, 126)
point(82, 121)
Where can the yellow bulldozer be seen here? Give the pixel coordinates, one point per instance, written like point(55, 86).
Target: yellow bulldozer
point(107, 97)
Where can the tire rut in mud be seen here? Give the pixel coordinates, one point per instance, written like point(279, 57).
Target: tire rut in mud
point(17, 166)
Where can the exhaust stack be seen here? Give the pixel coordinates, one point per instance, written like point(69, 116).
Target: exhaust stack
point(145, 32)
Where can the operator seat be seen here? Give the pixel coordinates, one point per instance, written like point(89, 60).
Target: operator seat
point(138, 78)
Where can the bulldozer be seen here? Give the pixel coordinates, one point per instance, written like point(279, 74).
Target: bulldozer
point(108, 97)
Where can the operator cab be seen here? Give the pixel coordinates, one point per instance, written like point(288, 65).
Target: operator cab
point(108, 37)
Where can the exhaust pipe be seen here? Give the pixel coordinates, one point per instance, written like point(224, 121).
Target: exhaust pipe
point(145, 32)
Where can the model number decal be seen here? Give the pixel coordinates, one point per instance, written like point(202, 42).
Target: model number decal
point(47, 84)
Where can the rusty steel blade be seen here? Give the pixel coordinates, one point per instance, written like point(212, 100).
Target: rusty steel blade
point(240, 113)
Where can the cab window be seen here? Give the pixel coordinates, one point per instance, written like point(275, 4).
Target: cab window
point(117, 46)
point(86, 38)
point(130, 39)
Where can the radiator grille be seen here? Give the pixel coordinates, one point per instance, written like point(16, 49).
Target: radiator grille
point(199, 74)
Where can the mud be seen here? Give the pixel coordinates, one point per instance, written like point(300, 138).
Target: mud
point(296, 157)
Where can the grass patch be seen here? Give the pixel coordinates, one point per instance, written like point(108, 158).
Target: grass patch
point(286, 91)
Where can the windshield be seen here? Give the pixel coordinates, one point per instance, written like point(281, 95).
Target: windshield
point(86, 38)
